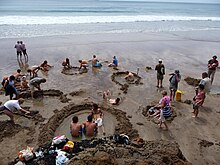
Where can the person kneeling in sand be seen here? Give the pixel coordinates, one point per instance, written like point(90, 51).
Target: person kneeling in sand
point(35, 83)
point(12, 106)
point(89, 127)
point(129, 77)
point(95, 62)
point(75, 127)
point(83, 64)
point(114, 62)
point(66, 63)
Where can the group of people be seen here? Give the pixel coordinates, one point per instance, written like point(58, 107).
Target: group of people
point(95, 63)
point(21, 49)
point(91, 127)
point(163, 109)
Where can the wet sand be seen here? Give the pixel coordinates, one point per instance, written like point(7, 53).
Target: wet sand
point(186, 51)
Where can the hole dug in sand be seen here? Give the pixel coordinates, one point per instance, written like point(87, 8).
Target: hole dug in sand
point(74, 70)
point(119, 78)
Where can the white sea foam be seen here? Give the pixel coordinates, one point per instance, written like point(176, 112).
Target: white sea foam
point(43, 20)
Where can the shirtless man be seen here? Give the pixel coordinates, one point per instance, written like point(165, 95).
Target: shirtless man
point(83, 63)
point(75, 127)
point(90, 127)
point(45, 66)
point(66, 63)
point(95, 62)
point(97, 116)
point(33, 71)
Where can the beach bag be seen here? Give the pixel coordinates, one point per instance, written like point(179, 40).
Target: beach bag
point(121, 139)
point(68, 146)
point(25, 155)
point(59, 141)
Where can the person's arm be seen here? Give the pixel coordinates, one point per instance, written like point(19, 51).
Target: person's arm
point(25, 111)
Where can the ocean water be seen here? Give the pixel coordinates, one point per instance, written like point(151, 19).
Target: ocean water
point(29, 18)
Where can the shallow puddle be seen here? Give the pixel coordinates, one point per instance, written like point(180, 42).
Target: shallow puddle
point(64, 129)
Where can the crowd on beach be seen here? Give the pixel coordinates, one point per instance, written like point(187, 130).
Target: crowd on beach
point(30, 80)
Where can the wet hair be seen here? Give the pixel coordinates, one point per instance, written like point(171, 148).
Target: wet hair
point(94, 56)
point(19, 70)
point(95, 106)
point(201, 86)
point(43, 80)
point(89, 118)
point(80, 61)
point(204, 74)
point(75, 119)
point(164, 92)
point(117, 100)
point(214, 57)
point(12, 77)
point(45, 62)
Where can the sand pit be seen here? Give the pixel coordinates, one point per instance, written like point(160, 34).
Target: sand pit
point(64, 129)
point(48, 130)
point(192, 81)
point(119, 78)
point(74, 70)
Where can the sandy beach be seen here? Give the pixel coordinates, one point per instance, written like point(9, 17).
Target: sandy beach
point(188, 52)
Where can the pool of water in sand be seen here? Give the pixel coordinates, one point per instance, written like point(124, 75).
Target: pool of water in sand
point(64, 129)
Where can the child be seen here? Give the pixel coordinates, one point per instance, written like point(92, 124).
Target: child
point(198, 101)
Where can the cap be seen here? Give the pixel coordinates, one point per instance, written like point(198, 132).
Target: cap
point(160, 60)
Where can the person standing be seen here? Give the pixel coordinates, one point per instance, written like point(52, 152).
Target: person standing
point(160, 73)
point(198, 101)
point(174, 80)
point(23, 48)
point(206, 82)
point(212, 65)
point(18, 49)
point(11, 106)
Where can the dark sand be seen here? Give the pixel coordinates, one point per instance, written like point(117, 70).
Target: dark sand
point(186, 51)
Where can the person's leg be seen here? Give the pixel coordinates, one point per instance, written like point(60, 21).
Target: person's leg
point(166, 127)
point(212, 76)
point(9, 114)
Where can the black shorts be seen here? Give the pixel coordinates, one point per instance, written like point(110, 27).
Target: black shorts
point(24, 52)
point(19, 53)
point(2, 108)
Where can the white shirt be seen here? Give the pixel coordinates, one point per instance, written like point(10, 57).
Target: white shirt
point(207, 84)
point(12, 105)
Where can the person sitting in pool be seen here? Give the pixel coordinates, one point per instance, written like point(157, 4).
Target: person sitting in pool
point(129, 76)
point(114, 101)
point(24, 83)
point(95, 62)
point(45, 66)
point(89, 127)
point(114, 62)
point(83, 64)
point(97, 116)
point(75, 127)
point(66, 63)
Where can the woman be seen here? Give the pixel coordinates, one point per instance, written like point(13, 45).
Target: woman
point(165, 111)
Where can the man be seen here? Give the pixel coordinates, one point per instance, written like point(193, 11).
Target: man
point(95, 62)
point(35, 83)
point(83, 63)
point(212, 65)
point(23, 48)
point(18, 49)
point(174, 80)
point(206, 82)
point(160, 72)
point(11, 106)
point(90, 128)
point(75, 127)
